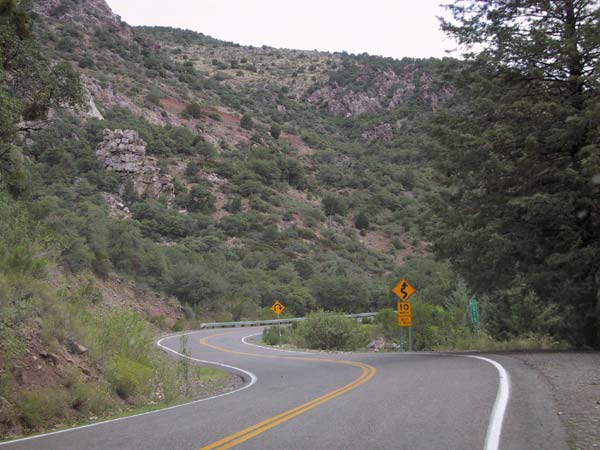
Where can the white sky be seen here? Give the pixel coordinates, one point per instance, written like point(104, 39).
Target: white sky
point(394, 28)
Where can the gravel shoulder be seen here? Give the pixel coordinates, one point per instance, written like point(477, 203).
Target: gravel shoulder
point(574, 380)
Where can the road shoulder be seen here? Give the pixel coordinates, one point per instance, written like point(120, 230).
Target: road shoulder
point(573, 379)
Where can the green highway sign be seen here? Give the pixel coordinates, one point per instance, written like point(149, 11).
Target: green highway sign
point(474, 311)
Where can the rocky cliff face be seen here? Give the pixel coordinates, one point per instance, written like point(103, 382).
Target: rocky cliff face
point(125, 152)
point(94, 15)
point(376, 90)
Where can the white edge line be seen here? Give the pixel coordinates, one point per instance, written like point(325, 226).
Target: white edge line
point(252, 377)
point(492, 438)
point(272, 348)
point(315, 353)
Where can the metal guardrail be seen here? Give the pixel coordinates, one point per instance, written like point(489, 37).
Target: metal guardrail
point(257, 323)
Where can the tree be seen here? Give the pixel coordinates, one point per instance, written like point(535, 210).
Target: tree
point(362, 221)
point(275, 131)
point(555, 41)
point(246, 122)
point(333, 205)
point(518, 153)
point(193, 110)
point(200, 199)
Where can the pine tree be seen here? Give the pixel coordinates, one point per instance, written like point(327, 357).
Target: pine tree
point(519, 152)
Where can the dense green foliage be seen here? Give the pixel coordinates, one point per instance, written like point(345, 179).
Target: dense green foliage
point(519, 161)
point(29, 86)
point(118, 341)
point(321, 331)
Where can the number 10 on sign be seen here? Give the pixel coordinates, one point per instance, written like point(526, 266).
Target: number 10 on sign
point(404, 314)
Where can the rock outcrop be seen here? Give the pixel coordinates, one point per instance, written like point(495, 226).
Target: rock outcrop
point(125, 152)
point(91, 14)
point(377, 90)
point(377, 344)
point(380, 132)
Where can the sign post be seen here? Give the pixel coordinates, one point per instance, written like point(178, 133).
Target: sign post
point(473, 308)
point(404, 291)
point(278, 308)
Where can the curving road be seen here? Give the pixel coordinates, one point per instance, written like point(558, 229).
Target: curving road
point(295, 400)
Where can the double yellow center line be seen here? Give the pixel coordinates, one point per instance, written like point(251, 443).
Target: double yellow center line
point(367, 372)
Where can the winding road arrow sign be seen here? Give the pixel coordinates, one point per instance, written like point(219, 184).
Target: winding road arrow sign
point(277, 307)
point(403, 290)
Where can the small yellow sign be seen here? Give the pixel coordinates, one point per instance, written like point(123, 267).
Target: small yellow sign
point(277, 307)
point(403, 290)
point(404, 314)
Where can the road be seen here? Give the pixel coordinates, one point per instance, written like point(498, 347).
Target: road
point(294, 400)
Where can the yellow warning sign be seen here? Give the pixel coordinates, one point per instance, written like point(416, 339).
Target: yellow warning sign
point(403, 290)
point(277, 307)
point(404, 314)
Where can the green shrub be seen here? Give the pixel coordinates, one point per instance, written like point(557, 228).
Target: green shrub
point(200, 199)
point(89, 293)
point(128, 378)
point(193, 110)
point(154, 97)
point(37, 409)
point(214, 116)
point(178, 326)
point(333, 204)
point(271, 335)
point(118, 332)
point(275, 131)
point(330, 331)
point(361, 221)
point(86, 62)
point(246, 122)
point(90, 398)
point(388, 321)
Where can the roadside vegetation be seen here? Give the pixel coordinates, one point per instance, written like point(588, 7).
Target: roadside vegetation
point(103, 361)
point(479, 179)
point(433, 330)
point(320, 331)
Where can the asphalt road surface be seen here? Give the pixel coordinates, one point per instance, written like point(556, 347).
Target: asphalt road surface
point(370, 401)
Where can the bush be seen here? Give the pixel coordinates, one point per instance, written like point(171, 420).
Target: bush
point(275, 131)
point(246, 122)
point(90, 398)
point(271, 335)
point(388, 321)
point(85, 62)
point(38, 408)
point(361, 221)
point(330, 331)
point(193, 110)
point(154, 97)
point(333, 205)
point(128, 378)
point(200, 199)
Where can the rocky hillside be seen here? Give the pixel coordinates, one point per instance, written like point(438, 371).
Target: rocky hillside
point(214, 175)
point(176, 78)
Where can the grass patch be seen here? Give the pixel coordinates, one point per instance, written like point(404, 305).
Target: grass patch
point(36, 408)
point(484, 342)
point(209, 373)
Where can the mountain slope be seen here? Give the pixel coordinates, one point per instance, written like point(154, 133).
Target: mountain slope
point(210, 179)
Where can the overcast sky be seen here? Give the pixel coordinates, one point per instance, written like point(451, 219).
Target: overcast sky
point(394, 28)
